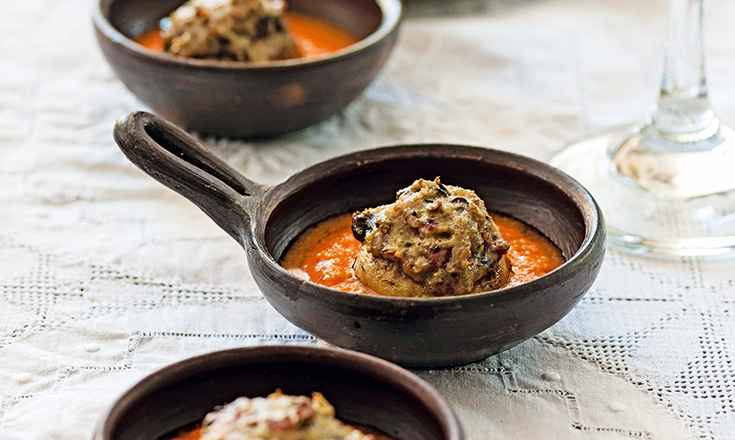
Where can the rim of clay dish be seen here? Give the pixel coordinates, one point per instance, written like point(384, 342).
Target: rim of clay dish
point(592, 244)
point(390, 374)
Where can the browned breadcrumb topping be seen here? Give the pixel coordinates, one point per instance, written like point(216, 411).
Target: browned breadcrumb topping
point(434, 240)
point(237, 30)
point(279, 417)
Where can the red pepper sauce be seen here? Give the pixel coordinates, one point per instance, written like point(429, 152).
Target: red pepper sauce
point(194, 434)
point(531, 254)
point(316, 37)
point(324, 254)
point(313, 36)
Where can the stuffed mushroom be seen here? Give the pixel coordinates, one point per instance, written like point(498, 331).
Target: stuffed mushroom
point(279, 417)
point(434, 240)
point(237, 30)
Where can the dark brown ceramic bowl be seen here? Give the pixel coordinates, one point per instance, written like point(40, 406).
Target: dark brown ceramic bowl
point(416, 332)
point(248, 99)
point(364, 390)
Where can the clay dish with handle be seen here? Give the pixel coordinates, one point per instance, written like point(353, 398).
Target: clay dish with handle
point(417, 332)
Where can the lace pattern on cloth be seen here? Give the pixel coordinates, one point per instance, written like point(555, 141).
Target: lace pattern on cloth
point(106, 276)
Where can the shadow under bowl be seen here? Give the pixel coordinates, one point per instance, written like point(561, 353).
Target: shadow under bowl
point(364, 390)
point(417, 332)
point(243, 99)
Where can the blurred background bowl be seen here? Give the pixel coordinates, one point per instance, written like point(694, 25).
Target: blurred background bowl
point(243, 99)
point(364, 390)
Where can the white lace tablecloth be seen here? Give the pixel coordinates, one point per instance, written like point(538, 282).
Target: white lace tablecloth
point(106, 276)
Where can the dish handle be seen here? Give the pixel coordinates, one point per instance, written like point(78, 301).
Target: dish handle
point(174, 158)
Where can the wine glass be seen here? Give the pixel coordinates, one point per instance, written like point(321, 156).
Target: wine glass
point(666, 186)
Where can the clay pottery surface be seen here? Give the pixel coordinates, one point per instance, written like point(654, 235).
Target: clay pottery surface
point(244, 99)
point(417, 332)
point(363, 389)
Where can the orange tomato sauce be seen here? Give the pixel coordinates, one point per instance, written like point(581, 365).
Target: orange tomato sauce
point(316, 37)
point(151, 40)
point(193, 434)
point(313, 36)
point(324, 254)
point(531, 254)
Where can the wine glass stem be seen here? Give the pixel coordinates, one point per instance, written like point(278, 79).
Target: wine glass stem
point(683, 112)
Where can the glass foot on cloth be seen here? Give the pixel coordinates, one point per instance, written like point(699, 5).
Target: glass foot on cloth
point(663, 202)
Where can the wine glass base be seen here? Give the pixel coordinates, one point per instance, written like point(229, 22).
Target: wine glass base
point(643, 222)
